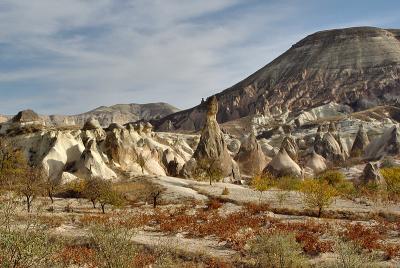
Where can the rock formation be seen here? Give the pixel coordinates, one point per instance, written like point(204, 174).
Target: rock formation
point(387, 144)
point(360, 142)
point(91, 124)
point(328, 147)
point(119, 113)
point(371, 174)
point(323, 67)
point(290, 146)
point(283, 165)
point(26, 116)
point(212, 145)
point(91, 164)
point(250, 158)
point(316, 163)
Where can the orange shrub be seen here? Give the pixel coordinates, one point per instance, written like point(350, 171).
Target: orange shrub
point(367, 237)
point(78, 255)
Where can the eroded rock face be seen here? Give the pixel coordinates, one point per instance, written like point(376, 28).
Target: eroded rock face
point(360, 142)
point(387, 144)
point(70, 154)
point(91, 163)
point(290, 146)
point(250, 158)
point(283, 165)
point(212, 145)
point(324, 66)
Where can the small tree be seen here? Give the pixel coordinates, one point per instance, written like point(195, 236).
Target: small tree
point(108, 196)
point(12, 162)
point(208, 168)
point(155, 196)
point(30, 184)
point(318, 194)
point(92, 189)
point(261, 183)
point(51, 188)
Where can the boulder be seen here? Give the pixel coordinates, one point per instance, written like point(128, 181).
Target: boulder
point(250, 158)
point(283, 165)
point(371, 174)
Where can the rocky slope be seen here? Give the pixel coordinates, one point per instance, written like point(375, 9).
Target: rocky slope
point(358, 67)
point(119, 113)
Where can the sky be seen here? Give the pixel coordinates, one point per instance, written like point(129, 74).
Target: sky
point(70, 56)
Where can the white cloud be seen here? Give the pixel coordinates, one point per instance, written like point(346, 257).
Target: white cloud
point(86, 53)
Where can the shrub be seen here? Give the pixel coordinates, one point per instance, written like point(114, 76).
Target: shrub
point(365, 237)
point(113, 245)
point(277, 250)
point(288, 183)
point(73, 189)
point(225, 191)
point(332, 177)
point(350, 255)
point(254, 208)
point(392, 178)
point(81, 256)
point(25, 249)
point(214, 203)
point(261, 183)
point(318, 194)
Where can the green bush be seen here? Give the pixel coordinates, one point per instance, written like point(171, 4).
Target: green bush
point(336, 179)
point(277, 250)
point(333, 177)
point(25, 249)
point(318, 194)
point(349, 255)
point(392, 178)
point(113, 245)
point(288, 183)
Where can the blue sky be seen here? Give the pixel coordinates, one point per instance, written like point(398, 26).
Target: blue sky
point(70, 56)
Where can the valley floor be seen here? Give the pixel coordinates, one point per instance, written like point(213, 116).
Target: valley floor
point(194, 219)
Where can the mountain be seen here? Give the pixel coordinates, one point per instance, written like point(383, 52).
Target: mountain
point(119, 113)
point(358, 67)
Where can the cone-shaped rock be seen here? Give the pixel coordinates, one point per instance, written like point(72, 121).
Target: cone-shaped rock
point(329, 148)
point(290, 146)
point(212, 145)
point(250, 157)
point(316, 163)
point(283, 165)
point(360, 142)
point(387, 144)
